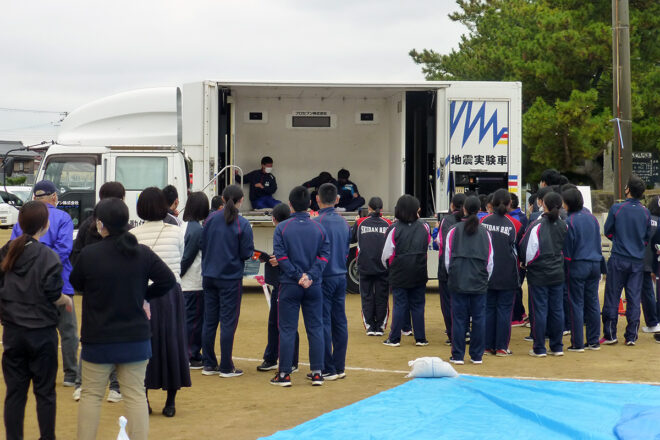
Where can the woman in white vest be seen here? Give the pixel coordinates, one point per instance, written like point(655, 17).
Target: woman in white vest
point(168, 366)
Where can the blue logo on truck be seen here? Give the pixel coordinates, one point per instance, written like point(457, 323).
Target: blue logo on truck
point(470, 123)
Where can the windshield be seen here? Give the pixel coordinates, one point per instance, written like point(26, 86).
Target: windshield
point(23, 195)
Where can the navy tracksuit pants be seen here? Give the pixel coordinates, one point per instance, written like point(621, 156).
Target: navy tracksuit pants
point(335, 325)
point(375, 294)
point(222, 304)
point(292, 298)
point(194, 320)
point(445, 305)
point(271, 353)
point(548, 316)
point(499, 309)
point(650, 304)
point(622, 273)
point(464, 306)
point(518, 307)
point(583, 306)
point(408, 304)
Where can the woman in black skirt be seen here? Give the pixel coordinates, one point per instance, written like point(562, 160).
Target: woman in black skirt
point(168, 368)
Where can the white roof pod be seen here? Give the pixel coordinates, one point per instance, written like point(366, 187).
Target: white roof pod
point(145, 117)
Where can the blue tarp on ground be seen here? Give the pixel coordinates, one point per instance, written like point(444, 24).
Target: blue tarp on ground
point(470, 407)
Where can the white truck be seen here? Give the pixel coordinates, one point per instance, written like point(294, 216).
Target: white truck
point(430, 139)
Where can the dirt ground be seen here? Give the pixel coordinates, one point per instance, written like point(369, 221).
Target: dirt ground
point(248, 407)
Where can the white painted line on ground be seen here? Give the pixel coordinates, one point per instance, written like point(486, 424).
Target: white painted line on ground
point(380, 370)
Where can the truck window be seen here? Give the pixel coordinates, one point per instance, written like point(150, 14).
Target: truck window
point(139, 172)
point(75, 179)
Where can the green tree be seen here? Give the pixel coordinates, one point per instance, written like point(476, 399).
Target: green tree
point(561, 52)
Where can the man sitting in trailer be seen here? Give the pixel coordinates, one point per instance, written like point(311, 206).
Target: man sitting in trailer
point(262, 185)
point(314, 184)
point(349, 196)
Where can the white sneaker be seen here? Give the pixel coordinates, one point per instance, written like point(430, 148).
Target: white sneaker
point(114, 396)
point(76, 394)
point(340, 209)
point(654, 329)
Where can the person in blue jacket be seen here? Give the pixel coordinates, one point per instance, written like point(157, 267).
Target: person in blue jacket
point(262, 185)
point(226, 243)
point(582, 261)
point(59, 238)
point(335, 326)
point(302, 249)
point(650, 304)
point(628, 225)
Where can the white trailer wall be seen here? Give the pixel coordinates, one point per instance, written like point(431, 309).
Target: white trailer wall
point(370, 151)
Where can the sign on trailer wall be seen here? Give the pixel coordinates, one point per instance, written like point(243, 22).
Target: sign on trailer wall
point(479, 136)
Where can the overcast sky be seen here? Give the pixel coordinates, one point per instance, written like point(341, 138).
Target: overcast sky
point(56, 56)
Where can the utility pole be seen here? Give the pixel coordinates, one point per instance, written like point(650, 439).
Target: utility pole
point(622, 146)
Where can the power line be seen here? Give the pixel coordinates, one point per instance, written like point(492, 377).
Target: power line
point(26, 110)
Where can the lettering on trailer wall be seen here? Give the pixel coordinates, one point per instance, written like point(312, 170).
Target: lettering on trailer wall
point(478, 135)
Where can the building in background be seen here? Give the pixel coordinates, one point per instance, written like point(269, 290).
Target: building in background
point(25, 162)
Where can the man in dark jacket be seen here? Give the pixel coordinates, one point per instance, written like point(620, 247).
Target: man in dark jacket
point(349, 196)
point(262, 185)
point(315, 183)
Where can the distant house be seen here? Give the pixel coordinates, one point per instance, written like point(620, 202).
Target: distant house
point(25, 162)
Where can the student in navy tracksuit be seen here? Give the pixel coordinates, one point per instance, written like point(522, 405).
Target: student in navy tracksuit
point(469, 263)
point(650, 305)
point(369, 234)
point(405, 253)
point(226, 243)
point(504, 232)
point(302, 249)
point(519, 316)
point(446, 223)
point(582, 261)
point(541, 248)
point(280, 213)
point(628, 225)
point(334, 283)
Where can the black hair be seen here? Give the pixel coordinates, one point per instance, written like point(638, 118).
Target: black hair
point(113, 213)
point(654, 206)
point(197, 207)
point(325, 177)
point(376, 204)
point(343, 174)
point(542, 192)
point(563, 180)
point(232, 195)
point(458, 200)
point(328, 194)
point(406, 209)
point(112, 189)
point(489, 200)
point(483, 200)
point(550, 177)
point(636, 186)
point(299, 199)
point(32, 218)
point(471, 207)
point(515, 202)
point(281, 212)
point(171, 194)
point(501, 201)
point(531, 200)
point(216, 203)
point(552, 202)
point(266, 160)
point(573, 199)
point(152, 205)
point(566, 186)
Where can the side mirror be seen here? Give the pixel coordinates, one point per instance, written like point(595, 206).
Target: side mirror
point(8, 167)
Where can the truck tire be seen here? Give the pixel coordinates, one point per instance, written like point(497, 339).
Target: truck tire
point(352, 277)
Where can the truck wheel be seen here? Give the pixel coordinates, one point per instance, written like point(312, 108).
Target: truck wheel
point(352, 277)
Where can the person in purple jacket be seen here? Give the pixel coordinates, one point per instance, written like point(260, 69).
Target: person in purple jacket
point(302, 249)
point(628, 225)
point(60, 239)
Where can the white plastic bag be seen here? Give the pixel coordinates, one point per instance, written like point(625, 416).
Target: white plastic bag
point(431, 367)
point(122, 429)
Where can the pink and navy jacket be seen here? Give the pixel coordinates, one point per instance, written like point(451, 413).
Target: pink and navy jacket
point(468, 259)
point(583, 237)
point(339, 234)
point(541, 250)
point(505, 232)
point(405, 253)
point(301, 246)
point(628, 225)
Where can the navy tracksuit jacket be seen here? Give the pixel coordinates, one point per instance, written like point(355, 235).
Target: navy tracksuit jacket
point(301, 246)
point(628, 225)
point(582, 261)
point(335, 325)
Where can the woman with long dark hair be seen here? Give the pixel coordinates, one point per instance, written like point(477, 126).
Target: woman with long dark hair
point(31, 291)
point(226, 244)
point(541, 249)
point(504, 233)
point(404, 253)
point(168, 367)
point(469, 262)
point(113, 276)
